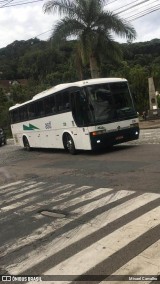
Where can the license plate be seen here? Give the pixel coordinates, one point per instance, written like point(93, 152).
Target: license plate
point(119, 137)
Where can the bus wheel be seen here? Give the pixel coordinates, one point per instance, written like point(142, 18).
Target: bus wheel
point(26, 144)
point(69, 144)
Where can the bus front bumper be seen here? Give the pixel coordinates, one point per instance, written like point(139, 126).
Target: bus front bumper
point(114, 137)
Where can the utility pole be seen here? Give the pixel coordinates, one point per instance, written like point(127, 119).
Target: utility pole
point(152, 94)
point(153, 111)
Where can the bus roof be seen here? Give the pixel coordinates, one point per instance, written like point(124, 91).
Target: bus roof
point(60, 87)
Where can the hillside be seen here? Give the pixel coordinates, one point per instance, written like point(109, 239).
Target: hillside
point(43, 66)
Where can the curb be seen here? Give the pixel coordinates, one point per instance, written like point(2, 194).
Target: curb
point(149, 127)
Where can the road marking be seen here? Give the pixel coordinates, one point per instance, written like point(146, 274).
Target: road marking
point(30, 199)
point(102, 222)
point(151, 136)
point(148, 259)
point(105, 247)
point(20, 193)
point(11, 184)
point(114, 196)
point(84, 201)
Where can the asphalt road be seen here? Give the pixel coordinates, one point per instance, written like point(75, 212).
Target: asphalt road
point(90, 214)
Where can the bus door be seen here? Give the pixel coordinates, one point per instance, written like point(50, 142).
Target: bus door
point(80, 119)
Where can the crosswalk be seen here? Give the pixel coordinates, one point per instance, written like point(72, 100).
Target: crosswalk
point(148, 136)
point(102, 232)
point(151, 136)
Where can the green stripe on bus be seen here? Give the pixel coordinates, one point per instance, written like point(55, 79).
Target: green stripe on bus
point(30, 127)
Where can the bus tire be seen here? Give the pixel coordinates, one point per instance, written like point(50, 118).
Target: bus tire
point(26, 144)
point(69, 144)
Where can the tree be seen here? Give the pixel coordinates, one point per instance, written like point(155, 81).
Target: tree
point(92, 26)
point(4, 106)
point(139, 86)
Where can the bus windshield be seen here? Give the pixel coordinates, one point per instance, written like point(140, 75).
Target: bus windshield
point(110, 102)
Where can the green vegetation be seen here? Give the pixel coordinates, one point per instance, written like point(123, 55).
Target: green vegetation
point(45, 65)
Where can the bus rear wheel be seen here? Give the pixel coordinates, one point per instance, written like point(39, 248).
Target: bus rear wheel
point(69, 144)
point(26, 144)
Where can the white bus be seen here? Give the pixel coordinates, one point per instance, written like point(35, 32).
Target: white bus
point(86, 115)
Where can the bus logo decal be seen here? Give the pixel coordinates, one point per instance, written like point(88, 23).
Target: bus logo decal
point(30, 127)
point(48, 125)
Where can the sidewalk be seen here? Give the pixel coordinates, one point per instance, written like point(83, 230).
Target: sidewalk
point(149, 124)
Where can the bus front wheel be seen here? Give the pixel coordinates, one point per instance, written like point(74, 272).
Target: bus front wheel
point(26, 144)
point(69, 144)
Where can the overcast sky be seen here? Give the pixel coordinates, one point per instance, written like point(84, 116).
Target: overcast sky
point(28, 21)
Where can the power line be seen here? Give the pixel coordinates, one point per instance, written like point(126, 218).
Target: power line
point(3, 1)
point(137, 16)
point(6, 2)
point(143, 13)
point(125, 5)
point(22, 3)
point(147, 5)
point(18, 4)
point(140, 16)
point(4, 5)
point(43, 33)
point(112, 2)
point(130, 18)
point(133, 6)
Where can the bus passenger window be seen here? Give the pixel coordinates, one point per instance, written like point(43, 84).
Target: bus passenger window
point(59, 102)
point(40, 109)
point(67, 106)
point(32, 111)
point(23, 113)
point(53, 104)
point(66, 101)
point(15, 116)
point(63, 101)
point(47, 106)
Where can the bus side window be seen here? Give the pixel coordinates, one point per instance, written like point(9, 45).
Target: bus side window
point(63, 101)
point(15, 116)
point(53, 104)
point(11, 117)
point(32, 111)
point(66, 101)
point(40, 109)
point(59, 102)
point(23, 113)
point(47, 106)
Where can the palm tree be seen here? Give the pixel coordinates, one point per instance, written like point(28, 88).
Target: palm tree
point(93, 26)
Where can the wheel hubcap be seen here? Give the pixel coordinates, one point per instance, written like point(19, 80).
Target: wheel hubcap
point(69, 143)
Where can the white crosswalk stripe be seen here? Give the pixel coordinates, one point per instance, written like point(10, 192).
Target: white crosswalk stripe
point(88, 258)
point(99, 224)
point(148, 136)
point(11, 184)
point(142, 262)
